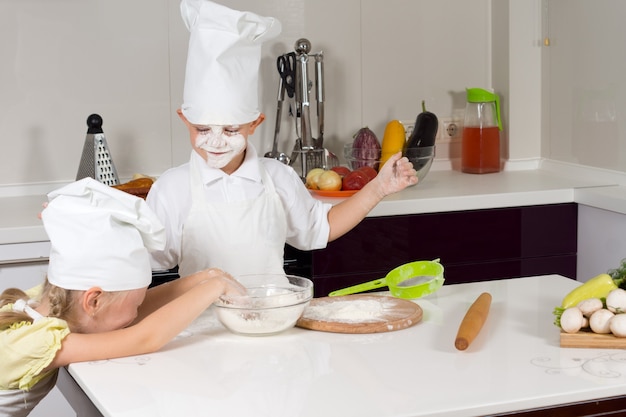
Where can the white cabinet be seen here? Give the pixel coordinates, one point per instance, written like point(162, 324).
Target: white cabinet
point(22, 275)
point(23, 265)
point(601, 242)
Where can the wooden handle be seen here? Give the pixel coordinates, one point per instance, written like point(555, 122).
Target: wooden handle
point(473, 321)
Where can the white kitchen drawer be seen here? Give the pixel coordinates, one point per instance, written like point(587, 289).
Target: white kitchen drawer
point(22, 276)
point(24, 252)
point(23, 265)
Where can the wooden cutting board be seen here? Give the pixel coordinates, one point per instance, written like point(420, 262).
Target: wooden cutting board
point(589, 339)
point(360, 314)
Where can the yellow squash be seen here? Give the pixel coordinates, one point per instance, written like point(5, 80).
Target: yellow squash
point(393, 141)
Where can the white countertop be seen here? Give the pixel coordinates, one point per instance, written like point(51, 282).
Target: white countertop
point(443, 191)
point(515, 363)
point(440, 191)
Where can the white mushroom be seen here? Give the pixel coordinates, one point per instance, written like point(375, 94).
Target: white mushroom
point(616, 301)
point(590, 306)
point(618, 325)
point(599, 321)
point(572, 320)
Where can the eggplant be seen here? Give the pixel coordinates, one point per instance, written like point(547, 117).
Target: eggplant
point(365, 149)
point(423, 136)
point(425, 129)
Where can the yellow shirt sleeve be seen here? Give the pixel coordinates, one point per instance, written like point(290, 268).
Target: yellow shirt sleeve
point(27, 348)
point(35, 292)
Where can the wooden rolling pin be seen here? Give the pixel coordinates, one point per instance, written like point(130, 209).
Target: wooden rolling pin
point(473, 321)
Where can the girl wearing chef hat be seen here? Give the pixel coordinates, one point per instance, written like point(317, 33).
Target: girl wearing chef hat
point(226, 207)
point(95, 303)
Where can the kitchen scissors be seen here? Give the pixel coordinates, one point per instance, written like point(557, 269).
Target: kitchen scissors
point(287, 69)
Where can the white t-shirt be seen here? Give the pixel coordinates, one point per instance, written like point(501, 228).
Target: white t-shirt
point(170, 198)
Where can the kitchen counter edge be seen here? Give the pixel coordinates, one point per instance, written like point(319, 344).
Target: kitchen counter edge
point(443, 190)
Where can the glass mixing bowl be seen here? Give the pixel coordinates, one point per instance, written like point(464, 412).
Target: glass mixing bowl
point(274, 303)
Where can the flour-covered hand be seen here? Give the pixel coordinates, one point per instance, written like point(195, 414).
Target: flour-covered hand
point(397, 174)
point(230, 285)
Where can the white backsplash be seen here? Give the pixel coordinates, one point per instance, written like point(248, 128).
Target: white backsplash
point(63, 60)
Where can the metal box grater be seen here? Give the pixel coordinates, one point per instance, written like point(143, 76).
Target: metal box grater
point(96, 161)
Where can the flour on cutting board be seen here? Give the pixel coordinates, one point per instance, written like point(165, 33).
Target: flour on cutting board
point(349, 311)
point(358, 314)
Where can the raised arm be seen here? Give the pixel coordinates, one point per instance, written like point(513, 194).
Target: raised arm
point(395, 175)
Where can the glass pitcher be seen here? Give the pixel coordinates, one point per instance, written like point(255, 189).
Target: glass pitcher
point(480, 145)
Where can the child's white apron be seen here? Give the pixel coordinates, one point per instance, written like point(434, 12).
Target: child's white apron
point(243, 237)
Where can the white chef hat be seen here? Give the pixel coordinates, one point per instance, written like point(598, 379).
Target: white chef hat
point(100, 237)
point(221, 79)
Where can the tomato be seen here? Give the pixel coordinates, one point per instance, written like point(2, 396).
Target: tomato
point(369, 172)
point(355, 180)
point(342, 171)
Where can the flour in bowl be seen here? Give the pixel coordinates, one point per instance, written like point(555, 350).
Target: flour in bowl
point(347, 311)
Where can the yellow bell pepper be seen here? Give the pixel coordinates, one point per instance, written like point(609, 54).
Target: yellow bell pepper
point(597, 287)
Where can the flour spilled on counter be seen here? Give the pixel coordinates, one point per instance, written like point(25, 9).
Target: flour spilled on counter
point(348, 311)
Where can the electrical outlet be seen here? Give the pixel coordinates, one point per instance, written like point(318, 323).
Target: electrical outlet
point(408, 128)
point(450, 129)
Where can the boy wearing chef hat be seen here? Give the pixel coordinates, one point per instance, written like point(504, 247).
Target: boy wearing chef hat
point(226, 207)
point(98, 276)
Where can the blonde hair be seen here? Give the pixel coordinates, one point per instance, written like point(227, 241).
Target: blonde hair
point(7, 318)
point(61, 303)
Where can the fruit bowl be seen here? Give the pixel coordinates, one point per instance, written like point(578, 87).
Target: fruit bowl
point(273, 304)
point(422, 158)
point(360, 157)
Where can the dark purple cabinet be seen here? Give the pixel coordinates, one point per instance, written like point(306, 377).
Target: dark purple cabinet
point(472, 245)
point(602, 407)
